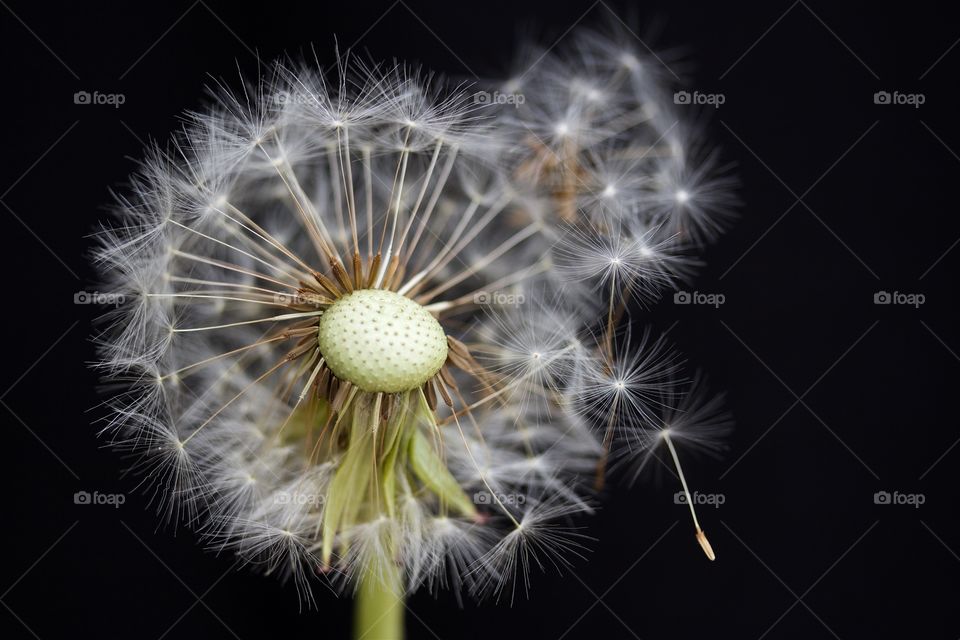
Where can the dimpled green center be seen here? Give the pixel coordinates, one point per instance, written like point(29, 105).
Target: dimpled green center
point(381, 341)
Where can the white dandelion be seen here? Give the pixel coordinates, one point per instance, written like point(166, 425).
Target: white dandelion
point(373, 334)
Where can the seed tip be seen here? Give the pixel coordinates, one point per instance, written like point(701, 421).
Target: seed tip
point(705, 545)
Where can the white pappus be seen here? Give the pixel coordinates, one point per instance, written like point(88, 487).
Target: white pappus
point(377, 334)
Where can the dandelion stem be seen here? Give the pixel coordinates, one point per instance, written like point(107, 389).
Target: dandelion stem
point(378, 610)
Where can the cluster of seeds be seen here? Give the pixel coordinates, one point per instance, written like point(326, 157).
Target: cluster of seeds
point(379, 332)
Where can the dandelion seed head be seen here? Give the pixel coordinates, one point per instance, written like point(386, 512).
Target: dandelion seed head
point(370, 325)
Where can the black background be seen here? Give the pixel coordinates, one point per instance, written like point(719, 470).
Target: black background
point(836, 398)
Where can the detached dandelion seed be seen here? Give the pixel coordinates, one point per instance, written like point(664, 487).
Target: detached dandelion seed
point(375, 334)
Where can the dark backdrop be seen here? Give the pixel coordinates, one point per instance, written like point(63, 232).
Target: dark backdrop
point(836, 398)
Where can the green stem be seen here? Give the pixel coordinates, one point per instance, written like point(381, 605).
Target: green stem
point(379, 607)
